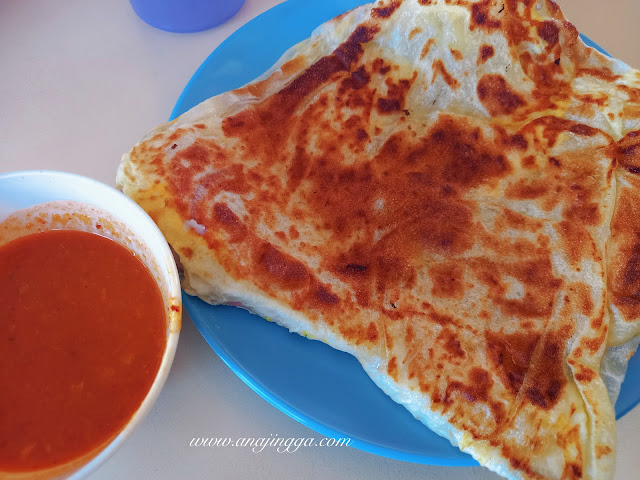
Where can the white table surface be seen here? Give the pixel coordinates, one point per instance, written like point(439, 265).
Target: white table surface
point(80, 83)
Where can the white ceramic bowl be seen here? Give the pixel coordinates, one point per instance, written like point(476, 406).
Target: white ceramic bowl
point(129, 225)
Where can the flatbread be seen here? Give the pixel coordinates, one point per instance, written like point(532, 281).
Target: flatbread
point(443, 190)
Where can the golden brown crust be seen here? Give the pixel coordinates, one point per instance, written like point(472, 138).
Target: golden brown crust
point(438, 210)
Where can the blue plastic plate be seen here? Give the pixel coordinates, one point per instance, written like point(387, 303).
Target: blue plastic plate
point(322, 388)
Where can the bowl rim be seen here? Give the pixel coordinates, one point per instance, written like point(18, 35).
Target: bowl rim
point(174, 318)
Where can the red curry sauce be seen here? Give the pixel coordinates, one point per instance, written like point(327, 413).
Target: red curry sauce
point(82, 333)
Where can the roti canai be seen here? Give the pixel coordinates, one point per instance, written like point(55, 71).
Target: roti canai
point(445, 190)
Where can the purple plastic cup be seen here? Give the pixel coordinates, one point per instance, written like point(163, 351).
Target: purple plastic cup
point(184, 16)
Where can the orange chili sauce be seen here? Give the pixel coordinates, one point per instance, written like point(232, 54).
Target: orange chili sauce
point(82, 334)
